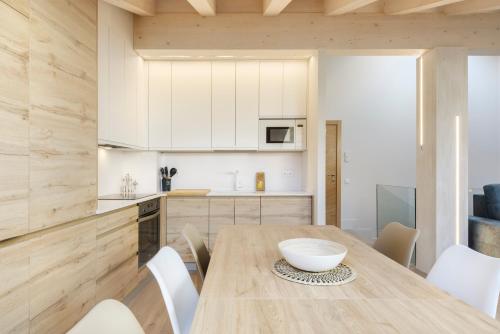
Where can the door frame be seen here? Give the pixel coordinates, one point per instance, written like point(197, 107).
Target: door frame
point(339, 167)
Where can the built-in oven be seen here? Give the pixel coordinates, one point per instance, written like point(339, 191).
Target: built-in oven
point(282, 134)
point(149, 230)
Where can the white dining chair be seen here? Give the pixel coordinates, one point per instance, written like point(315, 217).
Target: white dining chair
point(470, 276)
point(110, 317)
point(176, 287)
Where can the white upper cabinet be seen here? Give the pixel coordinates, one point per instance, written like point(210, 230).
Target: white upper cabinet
point(160, 105)
point(223, 105)
point(103, 82)
point(283, 89)
point(129, 113)
point(191, 105)
point(116, 126)
point(247, 105)
point(271, 89)
point(118, 90)
point(142, 104)
point(295, 89)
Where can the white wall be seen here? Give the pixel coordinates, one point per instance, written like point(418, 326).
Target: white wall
point(114, 164)
point(375, 97)
point(484, 122)
point(214, 170)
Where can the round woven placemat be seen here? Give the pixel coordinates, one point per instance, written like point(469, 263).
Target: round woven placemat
point(342, 274)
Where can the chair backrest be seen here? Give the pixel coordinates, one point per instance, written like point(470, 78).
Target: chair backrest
point(109, 316)
point(397, 242)
point(198, 248)
point(176, 287)
point(470, 276)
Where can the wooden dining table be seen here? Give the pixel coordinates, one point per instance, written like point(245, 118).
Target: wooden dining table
point(241, 294)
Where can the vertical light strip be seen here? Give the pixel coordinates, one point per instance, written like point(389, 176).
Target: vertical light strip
point(421, 102)
point(457, 179)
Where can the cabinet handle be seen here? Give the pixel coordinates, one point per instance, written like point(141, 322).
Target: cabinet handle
point(143, 219)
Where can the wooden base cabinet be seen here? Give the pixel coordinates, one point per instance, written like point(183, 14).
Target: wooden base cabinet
point(52, 278)
point(117, 246)
point(182, 211)
point(247, 210)
point(286, 210)
point(221, 214)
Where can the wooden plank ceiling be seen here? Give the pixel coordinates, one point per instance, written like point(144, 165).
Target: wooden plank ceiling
point(328, 7)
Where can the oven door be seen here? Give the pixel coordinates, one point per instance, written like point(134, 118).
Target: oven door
point(277, 134)
point(149, 237)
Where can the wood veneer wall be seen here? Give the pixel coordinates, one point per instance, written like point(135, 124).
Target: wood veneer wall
point(48, 163)
point(48, 113)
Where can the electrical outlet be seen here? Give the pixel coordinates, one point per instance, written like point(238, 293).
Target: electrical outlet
point(287, 172)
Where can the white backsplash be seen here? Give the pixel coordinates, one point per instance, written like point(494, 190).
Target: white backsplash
point(213, 170)
point(114, 164)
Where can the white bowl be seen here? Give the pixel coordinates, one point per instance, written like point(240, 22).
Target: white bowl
point(312, 254)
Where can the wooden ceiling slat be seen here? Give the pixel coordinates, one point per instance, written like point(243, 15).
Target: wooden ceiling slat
point(339, 7)
point(472, 7)
point(399, 7)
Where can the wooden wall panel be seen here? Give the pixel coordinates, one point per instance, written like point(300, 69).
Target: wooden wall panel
point(315, 31)
point(14, 86)
point(14, 120)
point(62, 276)
point(14, 290)
point(14, 187)
point(63, 97)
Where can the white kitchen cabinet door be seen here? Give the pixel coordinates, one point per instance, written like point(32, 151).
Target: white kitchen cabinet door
point(117, 130)
point(191, 105)
point(160, 105)
point(131, 82)
point(103, 83)
point(247, 105)
point(271, 89)
point(295, 89)
point(223, 105)
point(142, 104)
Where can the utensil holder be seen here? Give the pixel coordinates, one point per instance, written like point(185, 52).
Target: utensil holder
point(166, 184)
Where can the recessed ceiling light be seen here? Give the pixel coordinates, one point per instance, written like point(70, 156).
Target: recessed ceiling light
point(224, 56)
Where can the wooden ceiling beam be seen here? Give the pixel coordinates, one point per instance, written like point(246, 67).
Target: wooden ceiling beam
point(339, 7)
point(472, 7)
point(274, 7)
point(203, 7)
point(400, 7)
point(139, 7)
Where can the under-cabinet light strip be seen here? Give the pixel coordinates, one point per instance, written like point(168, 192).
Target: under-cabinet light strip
point(421, 102)
point(457, 179)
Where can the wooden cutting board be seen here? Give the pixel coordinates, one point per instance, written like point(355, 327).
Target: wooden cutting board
point(188, 192)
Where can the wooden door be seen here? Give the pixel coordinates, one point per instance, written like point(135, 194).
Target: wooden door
point(333, 164)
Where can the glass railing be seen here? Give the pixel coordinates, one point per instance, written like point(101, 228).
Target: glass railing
point(395, 204)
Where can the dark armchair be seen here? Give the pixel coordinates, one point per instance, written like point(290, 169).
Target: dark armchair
point(484, 226)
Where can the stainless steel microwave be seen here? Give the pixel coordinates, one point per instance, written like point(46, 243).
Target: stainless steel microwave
point(282, 134)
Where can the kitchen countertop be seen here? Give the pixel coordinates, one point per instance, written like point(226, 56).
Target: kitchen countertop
point(105, 206)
